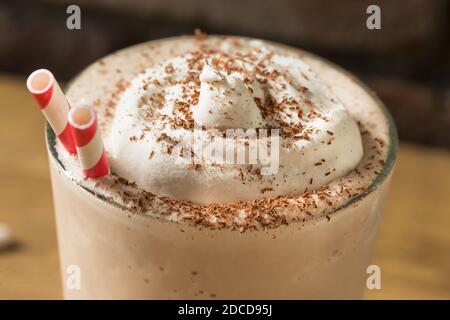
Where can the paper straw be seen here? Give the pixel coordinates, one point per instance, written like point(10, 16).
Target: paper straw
point(88, 141)
point(53, 104)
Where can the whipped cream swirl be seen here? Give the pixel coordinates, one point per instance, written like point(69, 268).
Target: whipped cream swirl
point(226, 102)
point(204, 94)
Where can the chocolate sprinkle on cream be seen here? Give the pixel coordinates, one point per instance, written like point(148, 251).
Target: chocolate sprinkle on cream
point(146, 99)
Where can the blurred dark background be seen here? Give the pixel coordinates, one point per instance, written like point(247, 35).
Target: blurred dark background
point(407, 62)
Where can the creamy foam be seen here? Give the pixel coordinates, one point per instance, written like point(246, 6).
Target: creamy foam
point(220, 89)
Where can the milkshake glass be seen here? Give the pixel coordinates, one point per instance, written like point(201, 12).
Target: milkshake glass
point(124, 255)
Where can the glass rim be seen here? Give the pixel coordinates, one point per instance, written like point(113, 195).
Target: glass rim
point(50, 138)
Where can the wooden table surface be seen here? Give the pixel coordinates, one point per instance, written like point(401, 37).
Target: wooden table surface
point(413, 249)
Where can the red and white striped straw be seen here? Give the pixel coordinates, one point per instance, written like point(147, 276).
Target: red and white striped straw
point(53, 104)
point(91, 152)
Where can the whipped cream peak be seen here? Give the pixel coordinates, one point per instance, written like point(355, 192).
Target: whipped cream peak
point(225, 102)
point(210, 75)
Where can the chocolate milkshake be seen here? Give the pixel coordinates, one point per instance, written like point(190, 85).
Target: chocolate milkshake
point(240, 169)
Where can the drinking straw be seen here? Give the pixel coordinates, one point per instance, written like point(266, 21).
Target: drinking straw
point(53, 104)
point(88, 141)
